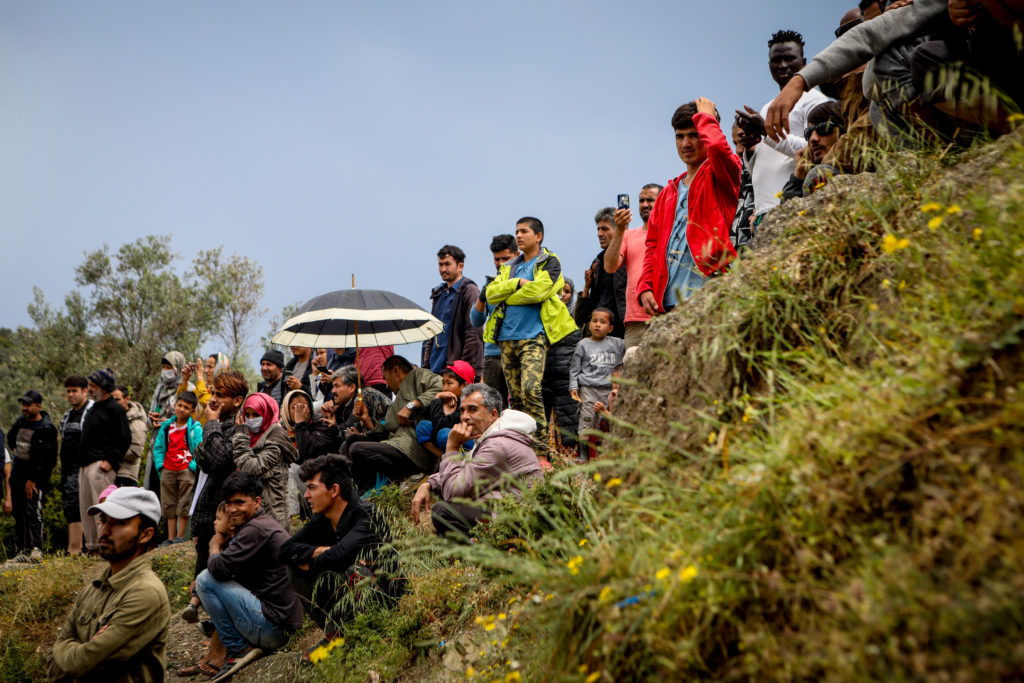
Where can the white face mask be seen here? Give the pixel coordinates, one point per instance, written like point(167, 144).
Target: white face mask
point(168, 375)
point(254, 424)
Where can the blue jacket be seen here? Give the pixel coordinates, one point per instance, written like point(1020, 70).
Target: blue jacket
point(193, 437)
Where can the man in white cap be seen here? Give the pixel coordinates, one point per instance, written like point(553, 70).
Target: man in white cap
point(117, 630)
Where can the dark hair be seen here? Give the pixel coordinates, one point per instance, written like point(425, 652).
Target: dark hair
point(213, 356)
point(826, 111)
point(608, 311)
point(652, 186)
point(864, 4)
point(125, 391)
point(454, 252)
point(606, 214)
point(241, 482)
point(189, 398)
point(786, 36)
point(399, 362)
point(683, 116)
point(533, 224)
point(503, 242)
point(333, 469)
point(76, 381)
point(618, 368)
point(231, 383)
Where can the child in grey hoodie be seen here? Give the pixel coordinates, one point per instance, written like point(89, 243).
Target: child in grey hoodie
point(590, 374)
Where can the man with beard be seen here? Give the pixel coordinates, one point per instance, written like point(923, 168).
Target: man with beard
point(117, 630)
point(627, 247)
point(34, 440)
point(76, 390)
point(824, 127)
point(128, 472)
point(272, 369)
point(774, 159)
point(601, 287)
point(451, 303)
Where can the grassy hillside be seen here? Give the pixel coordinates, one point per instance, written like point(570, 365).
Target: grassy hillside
point(816, 471)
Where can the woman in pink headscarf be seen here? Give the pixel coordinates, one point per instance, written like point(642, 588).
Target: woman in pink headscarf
point(262, 447)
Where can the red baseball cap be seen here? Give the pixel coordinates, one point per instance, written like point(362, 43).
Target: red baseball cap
point(463, 370)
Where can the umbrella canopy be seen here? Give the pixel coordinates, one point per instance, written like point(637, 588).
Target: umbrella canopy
point(351, 318)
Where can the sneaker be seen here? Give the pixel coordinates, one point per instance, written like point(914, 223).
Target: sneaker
point(233, 665)
point(22, 558)
point(190, 614)
point(205, 626)
point(179, 539)
point(36, 555)
point(166, 543)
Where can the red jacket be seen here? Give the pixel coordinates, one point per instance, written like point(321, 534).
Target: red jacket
point(711, 204)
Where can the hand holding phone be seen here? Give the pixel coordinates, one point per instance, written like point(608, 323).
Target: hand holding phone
point(623, 201)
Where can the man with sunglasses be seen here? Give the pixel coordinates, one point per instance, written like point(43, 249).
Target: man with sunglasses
point(824, 127)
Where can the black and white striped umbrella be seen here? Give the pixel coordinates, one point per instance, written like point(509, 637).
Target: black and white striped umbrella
point(353, 318)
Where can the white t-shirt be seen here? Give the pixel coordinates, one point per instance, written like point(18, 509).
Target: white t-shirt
point(773, 162)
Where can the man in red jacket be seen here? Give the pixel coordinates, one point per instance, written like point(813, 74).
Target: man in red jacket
point(688, 237)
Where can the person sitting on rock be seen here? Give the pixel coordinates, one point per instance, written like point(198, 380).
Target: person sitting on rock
point(344, 544)
point(117, 630)
point(244, 587)
point(502, 463)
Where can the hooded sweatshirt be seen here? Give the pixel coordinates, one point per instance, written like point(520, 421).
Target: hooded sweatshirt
point(267, 453)
point(501, 462)
point(166, 389)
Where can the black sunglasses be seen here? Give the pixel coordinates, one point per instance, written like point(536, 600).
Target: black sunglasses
point(823, 128)
point(847, 26)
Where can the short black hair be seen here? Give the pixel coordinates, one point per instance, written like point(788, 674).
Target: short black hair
point(189, 398)
point(683, 116)
point(76, 381)
point(448, 372)
point(533, 224)
point(826, 111)
point(399, 362)
point(453, 251)
point(125, 391)
point(241, 482)
point(503, 242)
point(652, 186)
point(333, 469)
point(864, 4)
point(786, 36)
point(607, 311)
point(147, 523)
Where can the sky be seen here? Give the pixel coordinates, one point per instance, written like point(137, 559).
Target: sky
point(331, 139)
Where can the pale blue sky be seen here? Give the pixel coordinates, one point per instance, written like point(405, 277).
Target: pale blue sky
point(326, 138)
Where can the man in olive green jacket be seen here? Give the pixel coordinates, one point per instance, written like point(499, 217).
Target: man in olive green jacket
point(117, 630)
point(390, 450)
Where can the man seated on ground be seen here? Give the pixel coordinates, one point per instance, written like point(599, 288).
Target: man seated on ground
point(501, 462)
point(432, 433)
point(244, 587)
point(389, 451)
point(824, 127)
point(117, 630)
point(345, 390)
point(341, 546)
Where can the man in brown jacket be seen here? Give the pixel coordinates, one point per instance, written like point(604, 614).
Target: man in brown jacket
point(117, 630)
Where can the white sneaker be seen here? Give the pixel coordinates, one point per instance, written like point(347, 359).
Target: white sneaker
point(36, 555)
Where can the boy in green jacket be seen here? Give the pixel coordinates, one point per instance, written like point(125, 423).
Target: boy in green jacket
point(529, 316)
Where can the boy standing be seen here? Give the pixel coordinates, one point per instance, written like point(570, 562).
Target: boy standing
point(590, 375)
point(176, 440)
point(76, 389)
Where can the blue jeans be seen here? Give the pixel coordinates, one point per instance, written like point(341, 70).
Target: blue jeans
point(237, 615)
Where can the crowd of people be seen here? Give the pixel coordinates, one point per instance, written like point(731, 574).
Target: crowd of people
point(275, 486)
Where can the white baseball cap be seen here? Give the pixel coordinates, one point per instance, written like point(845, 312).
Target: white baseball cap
point(127, 502)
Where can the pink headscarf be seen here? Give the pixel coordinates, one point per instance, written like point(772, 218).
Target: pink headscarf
point(266, 408)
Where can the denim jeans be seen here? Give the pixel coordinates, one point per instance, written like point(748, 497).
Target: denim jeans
point(237, 615)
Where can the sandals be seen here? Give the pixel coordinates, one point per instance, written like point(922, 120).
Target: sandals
point(201, 668)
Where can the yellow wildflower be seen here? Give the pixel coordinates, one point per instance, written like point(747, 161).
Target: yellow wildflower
point(712, 436)
point(903, 284)
point(778, 195)
point(593, 677)
point(801, 212)
point(583, 542)
point(512, 676)
point(872, 306)
point(597, 477)
point(687, 574)
point(977, 233)
point(931, 207)
point(935, 222)
point(954, 209)
point(1014, 117)
point(574, 565)
point(604, 594)
point(470, 672)
point(318, 654)
point(613, 482)
point(892, 244)
point(502, 617)
point(582, 669)
point(548, 596)
point(662, 574)
point(885, 283)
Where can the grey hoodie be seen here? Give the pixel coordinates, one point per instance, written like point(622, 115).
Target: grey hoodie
point(501, 462)
point(268, 459)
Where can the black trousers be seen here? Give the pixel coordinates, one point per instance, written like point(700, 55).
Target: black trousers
point(455, 519)
point(28, 514)
point(371, 457)
point(202, 533)
point(330, 598)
